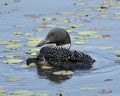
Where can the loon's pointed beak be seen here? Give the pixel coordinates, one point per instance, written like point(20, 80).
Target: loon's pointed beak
point(42, 43)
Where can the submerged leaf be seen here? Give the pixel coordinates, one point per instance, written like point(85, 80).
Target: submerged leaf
point(12, 61)
point(20, 25)
point(63, 72)
point(105, 91)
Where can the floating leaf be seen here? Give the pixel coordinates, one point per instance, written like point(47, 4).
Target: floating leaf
point(32, 65)
point(88, 88)
point(81, 42)
point(46, 66)
point(63, 72)
point(63, 20)
point(14, 79)
point(79, 3)
point(14, 46)
point(32, 43)
point(76, 25)
point(106, 47)
point(46, 18)
point(117, 53)
point(23, 93)
point(44, 94)
point(18, 33)
point(13, 61)
point(38, 21)
point(105, 91)
point(4, 42)
point(48, 25)
point(28, 34)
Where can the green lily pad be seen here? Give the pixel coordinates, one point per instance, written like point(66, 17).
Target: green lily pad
point(88, 88)
point(44, 94)
point(81, 42)
point(32, 65)
point(106, 47)
point(23, 93)
point(12, 61)
point(18, 33)
point(63, 72)
point(46, 66)
point(14, 79)
point(14, 46)
point(63, 20)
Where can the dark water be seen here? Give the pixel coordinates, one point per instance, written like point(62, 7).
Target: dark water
point(104, 68)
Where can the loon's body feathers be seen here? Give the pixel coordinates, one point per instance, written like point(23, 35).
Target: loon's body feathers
point(65, 58)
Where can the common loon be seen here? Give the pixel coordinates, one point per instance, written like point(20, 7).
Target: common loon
point(60, 56)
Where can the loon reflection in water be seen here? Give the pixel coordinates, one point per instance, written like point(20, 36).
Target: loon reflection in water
point(60, 56)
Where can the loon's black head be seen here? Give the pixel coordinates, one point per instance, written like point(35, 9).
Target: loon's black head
point(58, 36)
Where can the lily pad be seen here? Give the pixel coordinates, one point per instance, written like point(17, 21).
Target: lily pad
point(12, 61)
point(63, 72)
point(14, 46)
point(88, 88)
point(44, 94)
point(32, 65)
point(117, 53)
point(81, 42)
point(63, 20)
point(105, 91)
point(23, 93)
point(46, 66)
point(106, 47)
point(14, 79)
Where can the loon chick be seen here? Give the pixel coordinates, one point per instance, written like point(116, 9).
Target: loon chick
point(60, 56)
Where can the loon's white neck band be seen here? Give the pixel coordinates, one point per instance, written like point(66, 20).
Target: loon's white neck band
point(66, 46)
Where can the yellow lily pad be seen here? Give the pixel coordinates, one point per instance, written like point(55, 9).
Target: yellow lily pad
point(48, 18)
point(63, 20)
point(4, 42)
point(32, 65)
point(14, 46)
point(106, 47)
point(32, 43)
point(79, 3)
point(23, 93)
point(63, 72)
point(88, 88)
point(76, 25)
point(46, 66)
point(14, 79)
point(18, 33)
point(81, 42)
point(48, 26)
point(12, 61)
point(117, 53)
point(44, 94)
point(28, 34)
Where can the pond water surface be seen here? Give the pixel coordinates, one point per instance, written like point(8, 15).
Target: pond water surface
point(24, 16)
